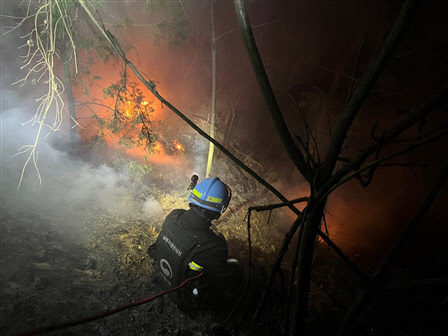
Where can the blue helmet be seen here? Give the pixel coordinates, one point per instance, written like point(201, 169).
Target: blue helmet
point(211, 194)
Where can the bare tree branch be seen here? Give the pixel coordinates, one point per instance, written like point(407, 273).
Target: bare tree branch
point(231, 121)
point(191, 24)
point(305, 144)
point(366, 84)
point(293, 151)
point(390, 136)
point(278, 205)
point(318, 196)
point(275, 268)
point(292, 281)
point(355, 71)
point(341, 254)
point(366, 294)
point(440, 135)
point(254, 26)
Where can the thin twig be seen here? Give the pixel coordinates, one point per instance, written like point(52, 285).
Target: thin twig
point(279, 205)
point(365, 86)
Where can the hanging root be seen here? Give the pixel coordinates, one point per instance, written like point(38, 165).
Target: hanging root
point(51, 28)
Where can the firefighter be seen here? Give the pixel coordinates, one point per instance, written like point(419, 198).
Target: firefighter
point(186, 246)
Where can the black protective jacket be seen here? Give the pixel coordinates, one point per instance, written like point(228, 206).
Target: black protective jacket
point(187, 246)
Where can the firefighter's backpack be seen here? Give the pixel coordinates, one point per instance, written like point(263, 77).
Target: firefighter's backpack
point(173, 250)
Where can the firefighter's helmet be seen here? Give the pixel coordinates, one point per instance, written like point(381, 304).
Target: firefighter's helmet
point(211, 194)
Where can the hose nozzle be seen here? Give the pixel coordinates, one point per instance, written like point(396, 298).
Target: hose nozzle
point(193, 182)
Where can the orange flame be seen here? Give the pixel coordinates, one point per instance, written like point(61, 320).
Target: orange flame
point(129, 109)
point(157, 148)
point(178, 146)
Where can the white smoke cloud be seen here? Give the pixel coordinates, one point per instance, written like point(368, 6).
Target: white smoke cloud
point(201, 147)
point(152, 208)
point(69, 184)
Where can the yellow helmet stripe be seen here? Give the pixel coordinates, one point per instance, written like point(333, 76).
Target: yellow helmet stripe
point(196, 193)
point(214, 199)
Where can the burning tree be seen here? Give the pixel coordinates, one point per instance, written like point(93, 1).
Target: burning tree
point(128, 116)
point(55, 33)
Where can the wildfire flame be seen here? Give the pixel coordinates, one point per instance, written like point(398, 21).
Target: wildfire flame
point(178, 146)
point(157, 148)
point(131, 109)
point(127, 137)
point(128, 108)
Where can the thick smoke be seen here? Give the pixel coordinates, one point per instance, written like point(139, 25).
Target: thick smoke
point(69, 185)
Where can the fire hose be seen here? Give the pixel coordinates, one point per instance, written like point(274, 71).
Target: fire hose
point(106, 313)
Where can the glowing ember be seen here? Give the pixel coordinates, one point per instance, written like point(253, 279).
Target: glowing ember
point(132, 108)
point(178, 146)
point(129, 108)
point(157, 148)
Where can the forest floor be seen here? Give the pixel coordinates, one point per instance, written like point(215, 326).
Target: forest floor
point(56, 269)
point(52, 272)
point(48, 279)
point(49, 276)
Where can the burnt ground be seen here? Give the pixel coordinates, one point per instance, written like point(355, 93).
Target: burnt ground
point(67, 253)
point(49, 277)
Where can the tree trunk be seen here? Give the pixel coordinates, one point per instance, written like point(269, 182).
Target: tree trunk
point(305, 263)
point(291, 147)
point(213, 102)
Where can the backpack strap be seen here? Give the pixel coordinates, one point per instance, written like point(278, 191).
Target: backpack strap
point(189, 264)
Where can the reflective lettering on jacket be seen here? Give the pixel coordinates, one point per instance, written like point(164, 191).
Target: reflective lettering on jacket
point(172, 245)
